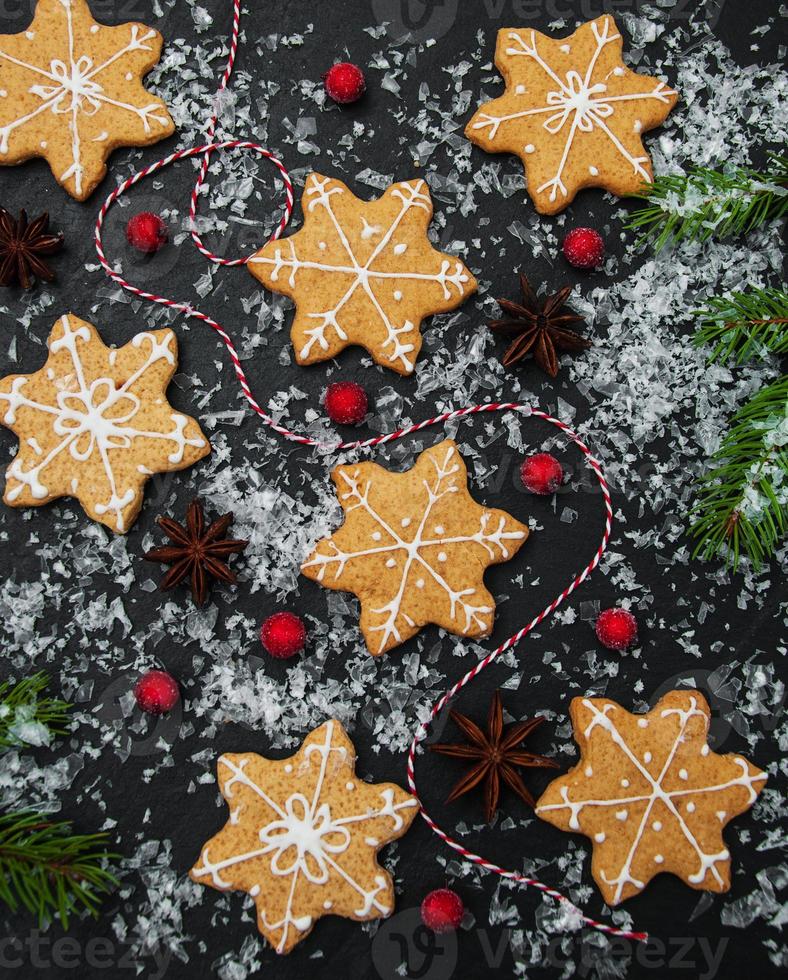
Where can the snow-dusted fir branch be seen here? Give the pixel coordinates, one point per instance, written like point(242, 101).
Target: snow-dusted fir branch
point(742, 505)
point(741, 326)
point(26, 716)
point(50, 871)
point(708, 203)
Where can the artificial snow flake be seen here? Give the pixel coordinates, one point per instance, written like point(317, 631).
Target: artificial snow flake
point(414, 548)
point(573, 113)
point(362, 273)
point(650, 794)
point(303, 836)
point(94, 423)
point(72, 92)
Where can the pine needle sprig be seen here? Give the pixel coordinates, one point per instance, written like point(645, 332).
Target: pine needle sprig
point(708, 203)
point(49, 870)
point(742, 505)
point(23, 703)
point(743, 326)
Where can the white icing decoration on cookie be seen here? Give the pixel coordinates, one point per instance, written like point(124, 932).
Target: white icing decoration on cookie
point(668, 798)
point(305, 840)
point(452, 275)
point(577, 103)
point(493, 541)
point(74, 89)
point(93, 418)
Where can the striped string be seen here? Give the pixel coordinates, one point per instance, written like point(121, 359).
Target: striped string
point(206, 150)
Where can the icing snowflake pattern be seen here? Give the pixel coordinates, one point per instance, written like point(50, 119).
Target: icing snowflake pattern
point(414, 548)
point(303, 836)
point(650, 794)
point(362, 273)
point(85, 416)
point(562, 118)
point(71, 92)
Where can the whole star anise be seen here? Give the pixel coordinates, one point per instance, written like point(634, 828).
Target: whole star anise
point(495, 756)
point(22, 246)
point(539, 328)
point(196, 551)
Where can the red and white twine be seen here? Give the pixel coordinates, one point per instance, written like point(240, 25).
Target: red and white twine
point(206, 150)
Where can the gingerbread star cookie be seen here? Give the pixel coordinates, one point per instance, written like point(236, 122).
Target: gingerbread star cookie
point(94, 423)
point(650, 794)
point(303, 836)
point(414, 548)
point(572, 111)
point(362, 272)
point(71, 92)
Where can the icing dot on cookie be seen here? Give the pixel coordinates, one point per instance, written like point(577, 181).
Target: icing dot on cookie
point(589, 771)
point(638, 125)
point(690, 807)
point(43, 144)
point(658, 859)
point(397, 294)
point(619, 71)
point(439, 529)
point(565, 48)
point(599, 837)
point(704, 750)
point(404, 522)
point(721, 815)
point(400, 249)
point(683, 774)
point(520, 90)
point(349, 786)
point(442, 556)
point(642, 722)
point(657, 825)
point(372, 841)
point(328, 904)
point(30, 35)
point(390, 563)
point(594, 171)
point(625, 783)
point(321, 246)
point(419, 583)
point(288, 767)
point(129, 76)
point(621, 815)
point(94, 28)
point(254, 890)
point(376, 535)
point(529, 148)
point(3, 93)
point(647, 757)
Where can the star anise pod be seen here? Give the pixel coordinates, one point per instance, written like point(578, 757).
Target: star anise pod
point(539, 328)
point(22, 246)
point(495, 756)
point(196, 551)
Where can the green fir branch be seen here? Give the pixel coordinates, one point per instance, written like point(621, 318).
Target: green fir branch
point(22, 703)
point(742, 505)
point(743, 326)
point(708, 203)
point(49, 870)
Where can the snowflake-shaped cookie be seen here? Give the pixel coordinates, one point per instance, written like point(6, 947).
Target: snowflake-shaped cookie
point(650, 794)
point(303, 837)
point(94, 423)
point(572, 111)
point(414, 548)
point(362, 272)
point(71, 92)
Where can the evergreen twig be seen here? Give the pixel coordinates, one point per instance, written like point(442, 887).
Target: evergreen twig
point(49, 870)
point(742, 504)
point(743, 326)
point(22, 702)
point(708, 203)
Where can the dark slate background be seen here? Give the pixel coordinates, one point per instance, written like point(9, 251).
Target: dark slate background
point(124, 791)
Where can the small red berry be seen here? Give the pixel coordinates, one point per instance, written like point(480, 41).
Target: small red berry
point(583, 248)
point(442, 910)
point(346, 402)
point(156, 692)
point(617, 629)
point(283, 635)
point(344, 82)
point(542, 474)
point(146, 232)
